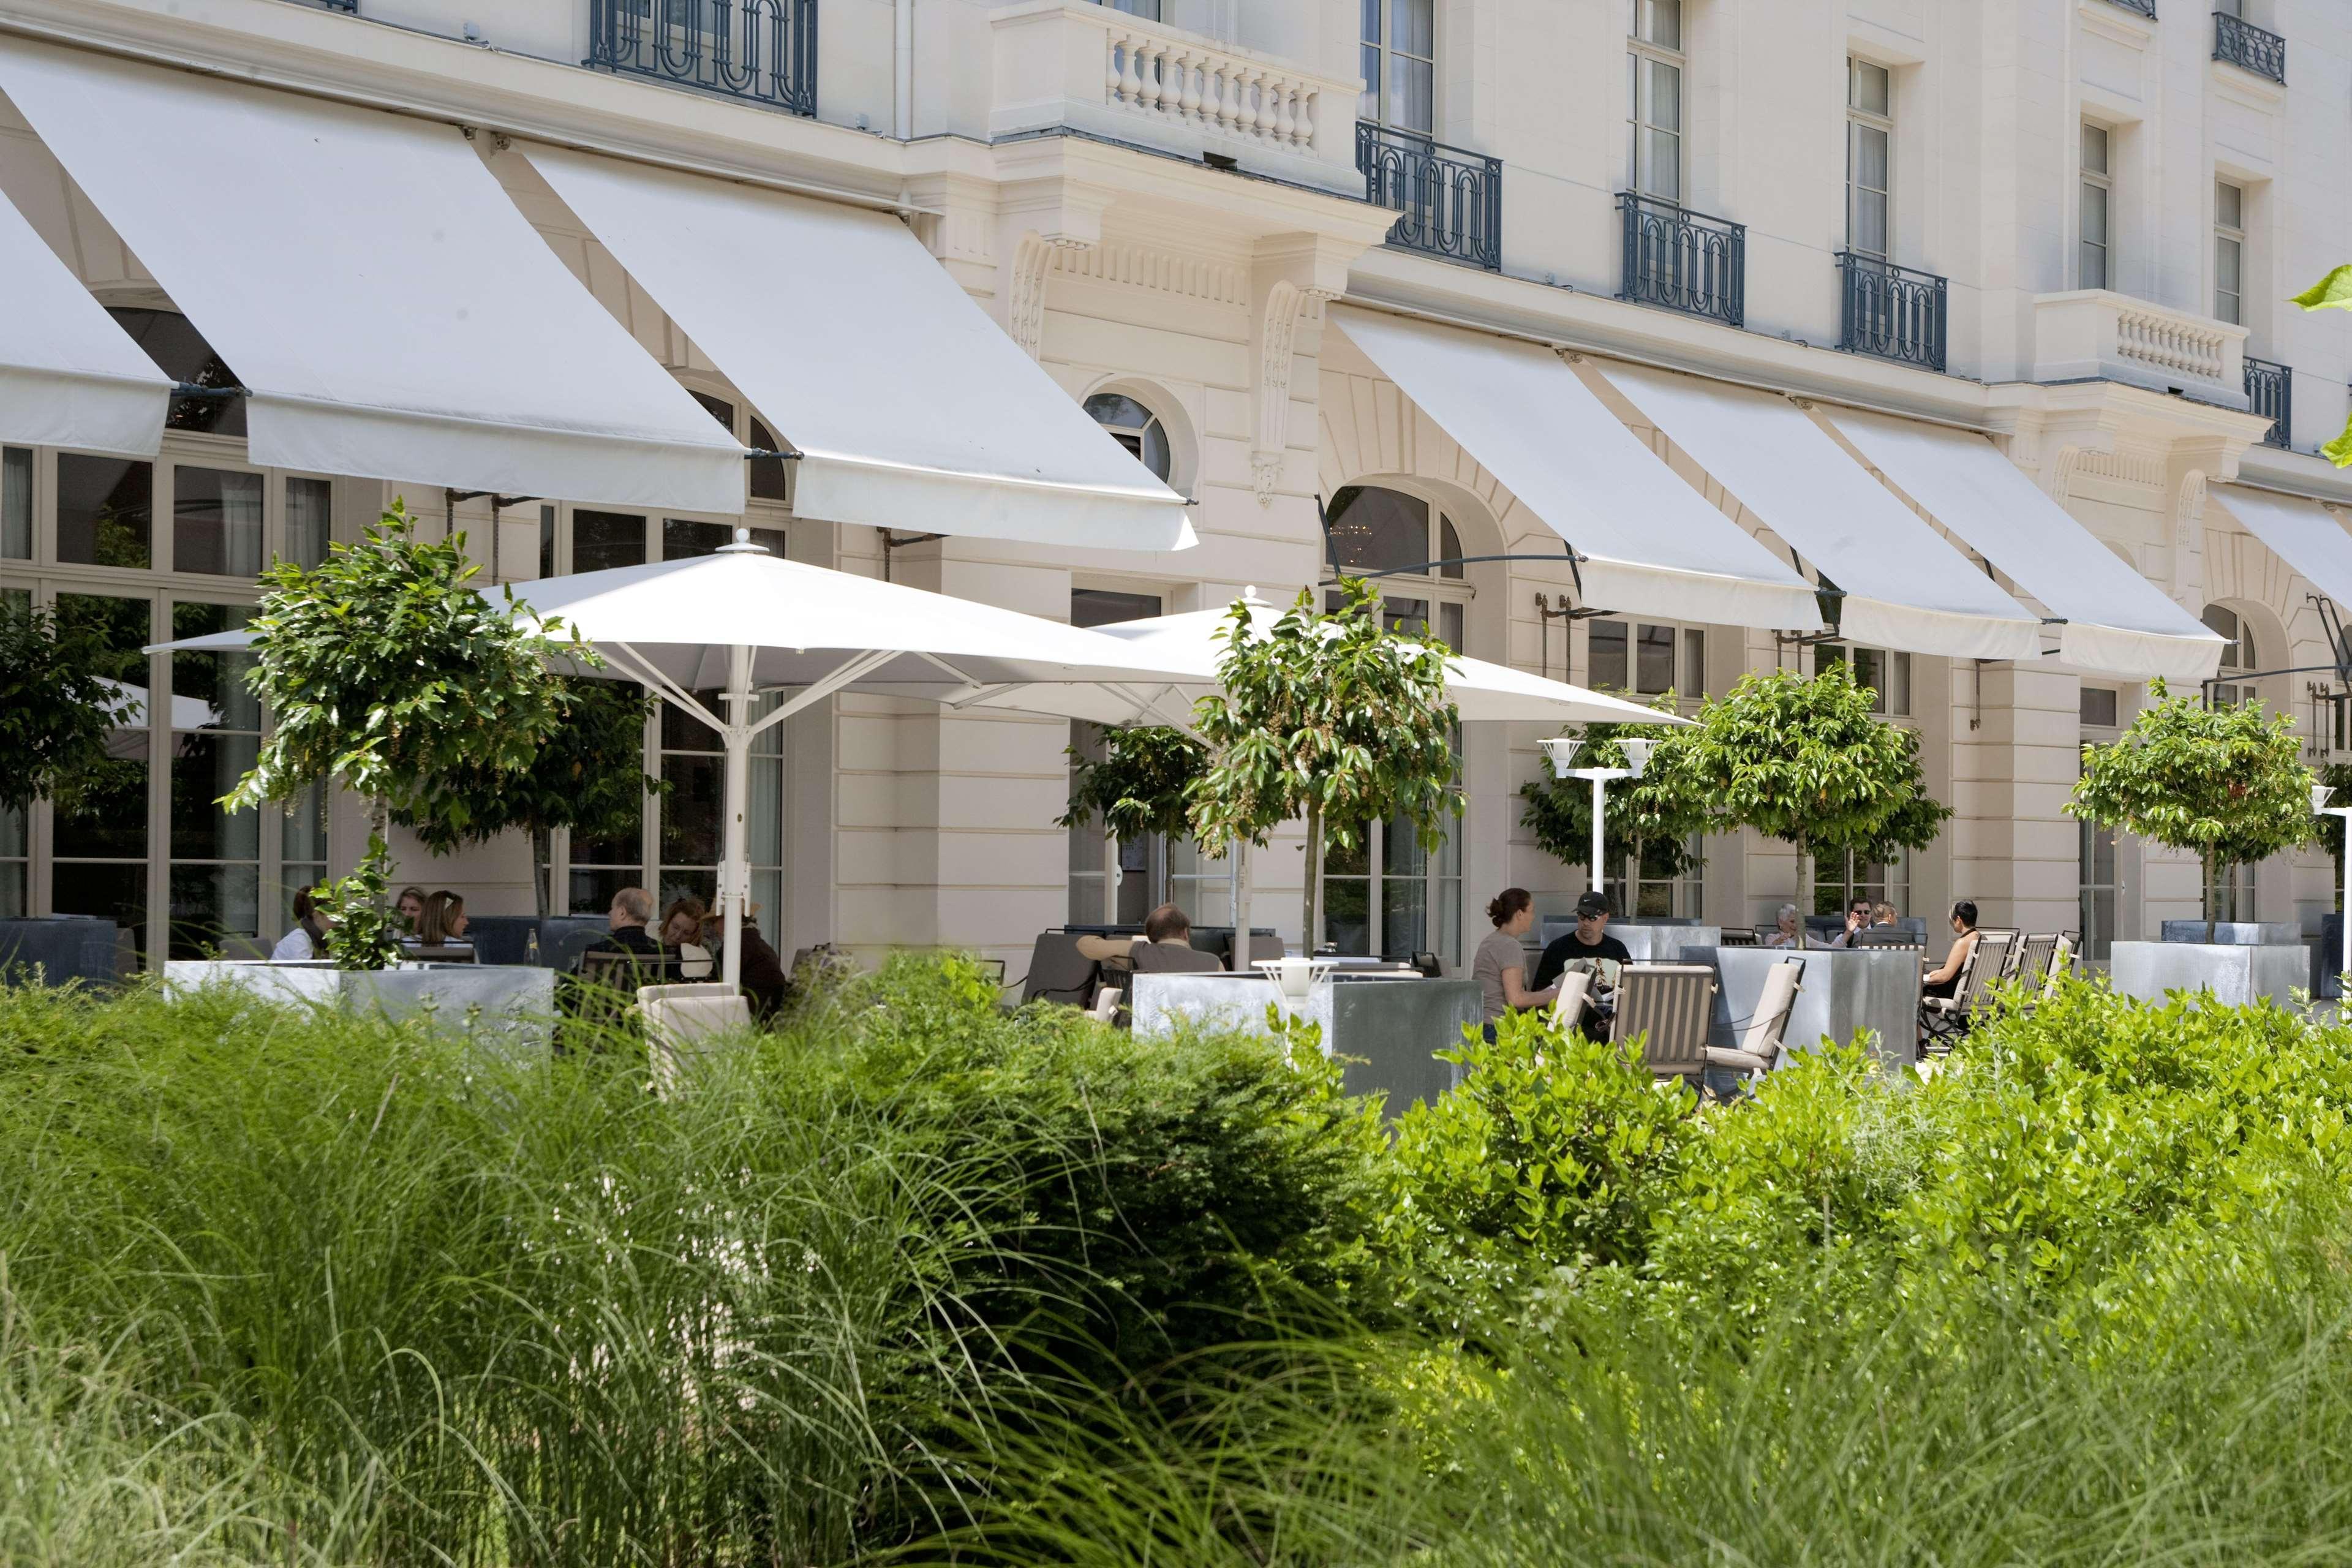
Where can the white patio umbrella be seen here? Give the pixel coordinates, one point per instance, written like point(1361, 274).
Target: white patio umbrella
point(1193, 643)
point(752, 624)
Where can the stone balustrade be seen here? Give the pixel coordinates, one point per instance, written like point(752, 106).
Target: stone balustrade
point(1063, 63)
point(2097, 334)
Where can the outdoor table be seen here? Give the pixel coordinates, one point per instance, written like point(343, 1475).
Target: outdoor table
point(502, 1006)
point(1396, 1024)
point(1844, 991)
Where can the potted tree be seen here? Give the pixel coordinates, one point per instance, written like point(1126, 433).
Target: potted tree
point(1329, 717)
point(2228, 783)
point(388, 672)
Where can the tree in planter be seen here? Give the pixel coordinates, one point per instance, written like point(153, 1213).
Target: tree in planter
point(588, 777)
point(57, 706)
point(2228, 782)
point(1651, 819)
point(1331, 717)
point(1137, 786)
point(386, 671)
point(1806, 761)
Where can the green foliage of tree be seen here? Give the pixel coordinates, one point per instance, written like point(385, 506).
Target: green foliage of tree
point(1138, 785)
point(1652, 817)
point(2333, 292)
point(2228, 782)
point(1331, 717)
point(1806, 761)
point(385, 669)
point(365, 932)
point(57, 708)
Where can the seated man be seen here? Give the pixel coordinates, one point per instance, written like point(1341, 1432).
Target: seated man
point(631, 909)
point(1165, 924)
point(1857, 920)
point(1589, 939)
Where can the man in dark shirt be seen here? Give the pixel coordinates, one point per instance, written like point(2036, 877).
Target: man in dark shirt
point(1589, 939)
point(631, 909)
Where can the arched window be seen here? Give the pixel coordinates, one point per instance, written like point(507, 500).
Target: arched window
point(2238, 654)
point(1135, 427)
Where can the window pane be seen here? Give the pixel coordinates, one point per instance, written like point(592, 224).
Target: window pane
point(1408, 615)
point(718, 408)
point(1449, 548)
point(1155, 455)
point(1656, 659)
point(1870, 672)
point(2094, 266)
point(1662, 165)
point(592, 887)
point(1101, 607)
point(2229, 207)
point(17, 503)
point(769, 478)
point(1869, 157)
point(2095, 216)
point(204, 767)
point(1368, 106)
point(1665, 105)
point(1412, 94)
point(1694, 683)
point(309, 520)
point(117, 892)
point(1608, 654)
point(1414, 26)
point(682, 537)
point(1659, 22)
point(1866, 87)
point(211, 904)
point(680, 732)
point(605, 539)
point(1869, 221)
point(1449, 625)
point(1370, 21)
point(215, 521)
point(547, 515)
point(302, 832)
point(2095, 150)
point(1898, 683)
point(103, 510)
point(2098, 707)
point(1375, 530)
point(690, 812)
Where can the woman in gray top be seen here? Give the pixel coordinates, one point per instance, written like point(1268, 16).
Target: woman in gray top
point(1501, 964)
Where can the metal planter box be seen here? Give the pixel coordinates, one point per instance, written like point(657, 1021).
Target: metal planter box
point(2234, 975)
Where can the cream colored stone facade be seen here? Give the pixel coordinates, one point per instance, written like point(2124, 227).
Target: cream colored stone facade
point(1080, 212)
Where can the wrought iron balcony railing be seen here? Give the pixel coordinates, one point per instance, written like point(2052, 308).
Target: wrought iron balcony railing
point(2145, 8)
point(762, 51)
point(2270, 389)
point(1894, 313)
point(1451, 201)
point(1684, 260)
point(2242, 44)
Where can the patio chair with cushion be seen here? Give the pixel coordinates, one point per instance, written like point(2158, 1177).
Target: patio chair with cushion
point(1058, 972)
point(1944, 1019)
point(1666, 1006)
point(681, 1018)
point(1106, 1007)
point(1762, 1042)
point(1737, 936)
point(2030, 960)
point(1568, 1006)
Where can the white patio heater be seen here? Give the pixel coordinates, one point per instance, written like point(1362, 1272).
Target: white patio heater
point(1562, 750)
point(2343, 814)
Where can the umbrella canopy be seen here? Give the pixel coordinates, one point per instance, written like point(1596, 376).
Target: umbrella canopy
point(1193, 642)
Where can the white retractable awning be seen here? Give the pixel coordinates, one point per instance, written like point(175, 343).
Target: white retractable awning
point(392, 313)
point(1647, 542)
point(2116, 619)
point(2302, 533)
point(69, 375)
point(911, 408)
point(1905, 587)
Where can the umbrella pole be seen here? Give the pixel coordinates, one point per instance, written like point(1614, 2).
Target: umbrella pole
point(734, 873)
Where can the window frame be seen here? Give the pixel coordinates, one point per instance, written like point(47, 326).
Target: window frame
point(2230, 238)
point(2102, 180)
point(1374, 56)
point(1860, 122)
point(1643, 54)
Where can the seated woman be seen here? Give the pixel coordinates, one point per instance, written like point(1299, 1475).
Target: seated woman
point(1791, 930)
point(681, 928)
point(307, 939)
point(443, 922)
point(1500, 966)
point(1946, 981)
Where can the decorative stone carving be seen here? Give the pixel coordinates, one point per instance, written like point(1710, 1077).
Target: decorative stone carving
point(1286, 305)
point(2187, 539)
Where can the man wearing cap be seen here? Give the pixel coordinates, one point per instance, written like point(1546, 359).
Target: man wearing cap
point(1588, 940)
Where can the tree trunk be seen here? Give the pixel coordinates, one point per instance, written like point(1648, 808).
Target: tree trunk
point(380, 832)
point(1849, 879)
point(1802, 897)
point(1313, 900)
point(2212, 893)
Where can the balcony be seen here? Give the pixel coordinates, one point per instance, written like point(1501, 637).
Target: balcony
point(1065, 65)
point(2093, 334)
point(1452, 201)
point(1894, 312)
point(2247, 47)
point(760, 52)
point(1684, 260)
point(2270, 390)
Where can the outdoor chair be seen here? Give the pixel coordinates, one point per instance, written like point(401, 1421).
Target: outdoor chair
point(1568, 1007)
point(680, 1018)
point(1761, 1044)
point(1944, 1019)
point(1665, 1006)
point(1735, 936)
point(2030, 960)
point(1058, 972)
point(1106, 1007)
